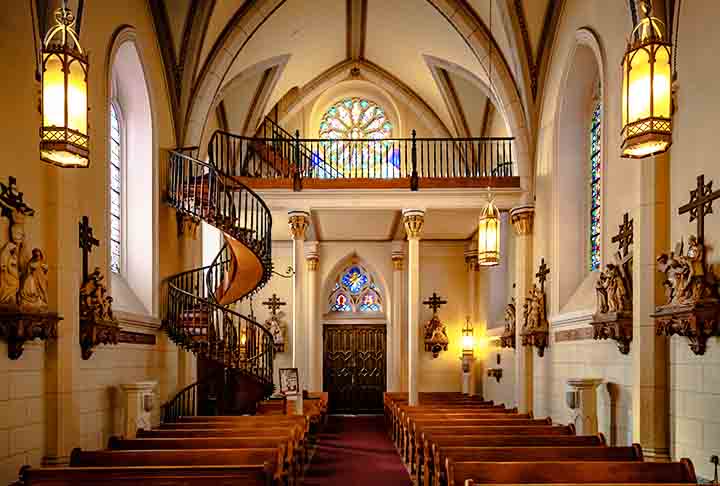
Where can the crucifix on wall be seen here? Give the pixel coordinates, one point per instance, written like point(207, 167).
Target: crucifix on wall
point(624, 238)
point(700, 205)
point(87, 242)
point(436, 338)
point(273, 323)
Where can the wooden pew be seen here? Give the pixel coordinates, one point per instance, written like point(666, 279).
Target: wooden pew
point(569, 472)
point(293, 435)
point(225, 475)
point(413, 427)
point(274, 457)
point(433, 472)
point(399, 416)
point(416, 447)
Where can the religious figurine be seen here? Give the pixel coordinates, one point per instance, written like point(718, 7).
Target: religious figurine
point(436, 338)
point(507, 340)
point(535, 329)
point(277, 330)
point(9, 274)
point(95, 304)
point(33, 290)
point(686, 281)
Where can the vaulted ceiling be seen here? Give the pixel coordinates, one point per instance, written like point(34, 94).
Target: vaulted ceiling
point(420, 47)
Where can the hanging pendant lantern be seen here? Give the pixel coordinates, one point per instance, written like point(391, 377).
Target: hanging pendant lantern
point(647, 90)
point(64, 133)
point(489, 235)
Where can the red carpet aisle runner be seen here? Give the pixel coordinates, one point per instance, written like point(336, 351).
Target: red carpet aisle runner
point(356, 451)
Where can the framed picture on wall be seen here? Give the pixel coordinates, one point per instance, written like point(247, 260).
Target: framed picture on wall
point(289, 381)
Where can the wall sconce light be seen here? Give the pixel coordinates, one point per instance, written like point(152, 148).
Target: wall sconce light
point(495, 373)
point(489, 235)
point(646, 90)
point(468, 339)
point(64, 139)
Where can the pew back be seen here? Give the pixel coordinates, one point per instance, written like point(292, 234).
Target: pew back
point(569, 472)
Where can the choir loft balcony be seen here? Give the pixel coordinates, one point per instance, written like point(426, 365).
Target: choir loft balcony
point(277, 159)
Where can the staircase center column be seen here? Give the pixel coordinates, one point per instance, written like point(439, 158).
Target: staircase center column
point(299, 222)
point(314, 347)
point(413, 220)
point(522, 219)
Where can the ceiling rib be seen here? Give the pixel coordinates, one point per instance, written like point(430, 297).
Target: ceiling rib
point(356, 17)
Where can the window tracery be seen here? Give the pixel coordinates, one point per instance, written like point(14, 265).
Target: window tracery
point(595, 185)
point(355, 291)
point(354, 133)
point(116, 189)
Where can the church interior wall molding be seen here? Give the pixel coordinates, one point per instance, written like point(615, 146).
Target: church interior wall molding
point(24, 314)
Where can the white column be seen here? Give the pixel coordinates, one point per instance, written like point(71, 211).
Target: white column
point(299, 222)
point(314, 348)
point(522, 219)
point(62, 357)
point(138, 406)
point(650, 353)
point(582, 400)
point(469, 364)
point(398, 256)
point(413, 220)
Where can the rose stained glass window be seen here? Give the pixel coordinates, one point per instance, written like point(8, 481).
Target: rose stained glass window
point(354, 134)
point(595, 189)
point(355, 291)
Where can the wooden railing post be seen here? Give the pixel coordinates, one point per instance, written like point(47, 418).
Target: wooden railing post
point(413, 157)
point(297, 165)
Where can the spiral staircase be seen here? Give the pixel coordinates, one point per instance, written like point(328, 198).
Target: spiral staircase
point(200, 303)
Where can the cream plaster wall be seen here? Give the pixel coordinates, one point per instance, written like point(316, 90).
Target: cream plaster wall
point(53, 375)
point(504, 390)
point(694, 388)
point(22, 410)
point(695, 380)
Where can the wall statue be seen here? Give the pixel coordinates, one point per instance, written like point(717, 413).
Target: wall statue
point(507, 340)
point(436, 338)
point(535, 328)
point(277, 328)
point(614, 286)
point(23, 276)
point(435, 333)
point(686, 281)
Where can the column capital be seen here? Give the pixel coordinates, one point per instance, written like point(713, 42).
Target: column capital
point(299, 221)
point(471, 261)
point(522, 219)
point(413, 219)
point(398, 254)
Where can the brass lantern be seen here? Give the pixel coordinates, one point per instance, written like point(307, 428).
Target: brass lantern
point(489, 235)
point(646, 91)
point(64, 132)
point(468, 339)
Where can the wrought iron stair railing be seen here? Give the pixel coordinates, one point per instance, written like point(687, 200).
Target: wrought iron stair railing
point(274, 154)
point(199, 302)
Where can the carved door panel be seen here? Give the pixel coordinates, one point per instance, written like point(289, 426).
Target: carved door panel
point(354, 368)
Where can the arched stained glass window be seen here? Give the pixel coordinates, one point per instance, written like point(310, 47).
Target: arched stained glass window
point(355, 133)
point(355, 291)
point(116, 189)
point(595, 185)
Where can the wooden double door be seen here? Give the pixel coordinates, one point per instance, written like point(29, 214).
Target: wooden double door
point(354, 367)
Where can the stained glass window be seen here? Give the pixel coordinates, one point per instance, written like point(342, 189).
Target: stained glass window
point(116, 189)
point(595, 194)
point(355, 133)
point(355, 291)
